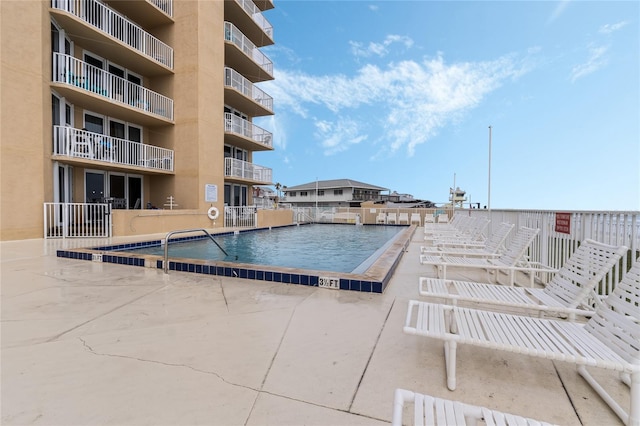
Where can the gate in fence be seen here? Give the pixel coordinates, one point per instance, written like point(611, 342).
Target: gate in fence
point(77, 220)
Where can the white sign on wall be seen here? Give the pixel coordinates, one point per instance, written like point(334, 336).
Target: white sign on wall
point(211, 193)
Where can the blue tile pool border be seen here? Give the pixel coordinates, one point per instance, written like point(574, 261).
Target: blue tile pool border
point(373, 280)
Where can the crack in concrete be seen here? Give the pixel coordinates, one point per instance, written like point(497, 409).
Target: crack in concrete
point(566, 391)
point(366, 367)
point(166, 364)
point(57, 336)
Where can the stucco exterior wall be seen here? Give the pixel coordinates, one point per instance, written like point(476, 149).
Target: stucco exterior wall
point(25, 171)
point(138, 222)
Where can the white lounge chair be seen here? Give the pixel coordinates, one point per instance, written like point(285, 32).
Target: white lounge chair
point(609, 340)
point(415, 218)
point(403, 218)
point(570, 291)
point(381, 218)
point(452, 225)
point(472, 234)
point(514, 259)
point(470, 229)
point(428, 410)
point(493, 246)
point(429, 219)
point(456, 225)
point(392, 218)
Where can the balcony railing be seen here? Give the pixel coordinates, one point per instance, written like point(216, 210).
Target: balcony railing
point(245, 170)
point(242, 127)
point(118, 26)
point(76, 143)
point(74, 72)
point(235, 36)
point(164, 5)
point(234, 79)
point(257, 16)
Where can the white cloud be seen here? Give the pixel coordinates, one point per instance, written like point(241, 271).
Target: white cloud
point(373, 7)
point(379, 49)
point(610, 28)
point(411, 100)
point(595, 61)
point(338, 136)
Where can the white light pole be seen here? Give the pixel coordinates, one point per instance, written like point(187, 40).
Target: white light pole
point(489, 183)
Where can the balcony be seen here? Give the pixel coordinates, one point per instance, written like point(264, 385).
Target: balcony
point(114, 95)
point(147, 13)
point(113, 34)
point(246, 135)
point(264, 4)
point(247, 172)
point(242, 55)
point(249, 18)
point(243, 95)
point(81, 146)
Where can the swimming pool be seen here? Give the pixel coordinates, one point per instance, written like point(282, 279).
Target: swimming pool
point(337, 248)
point(369, 275)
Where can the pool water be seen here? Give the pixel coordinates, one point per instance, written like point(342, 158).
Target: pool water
point(339, 248)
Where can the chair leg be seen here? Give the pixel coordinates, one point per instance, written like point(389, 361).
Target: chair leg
point(634, 391)
point(450, 363)
point(633, 417)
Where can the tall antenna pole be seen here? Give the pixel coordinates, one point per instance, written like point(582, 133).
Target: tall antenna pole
point(489, 183)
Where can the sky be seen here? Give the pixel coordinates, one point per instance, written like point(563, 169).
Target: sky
point(522, 104)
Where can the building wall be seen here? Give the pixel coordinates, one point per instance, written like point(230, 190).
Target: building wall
point(327, 198)
point(25, 167)
point(199, 100)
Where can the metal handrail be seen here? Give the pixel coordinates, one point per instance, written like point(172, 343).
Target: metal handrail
point(184, 231)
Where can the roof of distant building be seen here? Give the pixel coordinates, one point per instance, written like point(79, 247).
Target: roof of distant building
point(334, 183)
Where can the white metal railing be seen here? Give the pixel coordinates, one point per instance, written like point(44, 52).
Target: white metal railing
point(264, 203)
point(240, 216)
point(234, 79)
point(242, 127)
point(74, 72)
point(164, 5)
point(245, 170)
point(76, 143)
point(235, 36)
point(257, 16)
point(107, 20)
point(553, 248)
point(79, 220)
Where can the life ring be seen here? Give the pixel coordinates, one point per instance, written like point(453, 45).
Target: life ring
point(213, 213)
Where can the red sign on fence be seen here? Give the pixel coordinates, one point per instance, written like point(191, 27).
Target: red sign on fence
point(563, 223)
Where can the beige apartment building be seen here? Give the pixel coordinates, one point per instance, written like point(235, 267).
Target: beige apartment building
point(113, 108)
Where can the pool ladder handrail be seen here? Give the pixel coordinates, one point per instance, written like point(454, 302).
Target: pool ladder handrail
point(184, 231)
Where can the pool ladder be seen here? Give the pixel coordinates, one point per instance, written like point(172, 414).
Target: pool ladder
point(184, 231)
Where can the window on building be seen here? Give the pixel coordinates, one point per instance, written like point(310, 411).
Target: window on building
point(304, 193)
point(291, 194)
point(337, 192)
point(320, 192)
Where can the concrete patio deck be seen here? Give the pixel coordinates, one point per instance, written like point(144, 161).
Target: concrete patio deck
point(87, 343)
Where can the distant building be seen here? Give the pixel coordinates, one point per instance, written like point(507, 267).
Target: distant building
point(332, 193)
point(264, 197)
point(394, 197)
point(457, 197)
